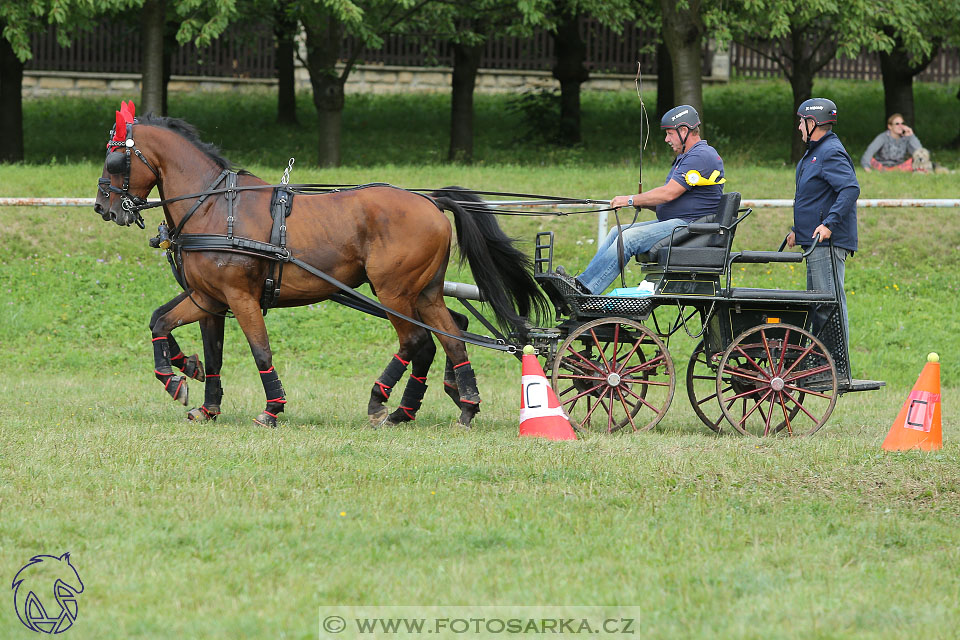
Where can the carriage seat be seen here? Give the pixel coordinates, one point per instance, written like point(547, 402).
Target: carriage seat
point(704, 243)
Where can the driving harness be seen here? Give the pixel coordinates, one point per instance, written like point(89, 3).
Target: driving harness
point(281, 205)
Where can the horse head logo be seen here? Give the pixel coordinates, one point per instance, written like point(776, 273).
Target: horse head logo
point(42, 585)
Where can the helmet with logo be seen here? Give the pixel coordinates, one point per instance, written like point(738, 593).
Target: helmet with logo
point(684, 115)
point(820, 110)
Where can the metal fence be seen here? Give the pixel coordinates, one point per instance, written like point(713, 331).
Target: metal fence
point(247, 51)
point(751, 63)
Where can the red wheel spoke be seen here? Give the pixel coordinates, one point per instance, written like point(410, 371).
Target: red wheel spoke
point(766, 348)
point(802, 408)
point(806, 373)
point(647, 365)
point(627, 409)
point(593, 408)
point(633, 350)
point(708, 398)
point(588, 392)
point(753, 362)
point(643, 400)
point(783, 353)
point(807, 391)
point(646, 381)
point(596, 341)
point(616, 340)
point(754, 407)
point(803, 355)
point(766, 422)
point(585, 360)
point(742, 373)
point(573, 376)
point(786, 416)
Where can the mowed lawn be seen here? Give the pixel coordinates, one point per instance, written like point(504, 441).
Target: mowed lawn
point(229, 531)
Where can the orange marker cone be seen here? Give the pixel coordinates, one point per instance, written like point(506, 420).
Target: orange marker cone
point(540, 412)
point(918, 424)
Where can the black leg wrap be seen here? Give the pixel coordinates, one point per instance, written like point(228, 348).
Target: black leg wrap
point(390, 376)
point(212, 395)
point(176, 386)
point(469, 394)
point(410, 402)
point(276, 397)
point(450, 384)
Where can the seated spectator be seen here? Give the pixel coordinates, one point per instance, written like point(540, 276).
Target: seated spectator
point(894, 149)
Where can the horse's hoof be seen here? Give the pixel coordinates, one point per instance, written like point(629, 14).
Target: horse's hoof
point(193, 368)
point(181, 392)
point(266, 420)
point(378, 417)
point(202, 414)
point(467, 414)
point(398, 417)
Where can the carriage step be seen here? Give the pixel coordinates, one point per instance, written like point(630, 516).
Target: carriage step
point(859, 385)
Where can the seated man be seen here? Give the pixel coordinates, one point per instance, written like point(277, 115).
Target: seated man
point(683, 198)
point(893, 149)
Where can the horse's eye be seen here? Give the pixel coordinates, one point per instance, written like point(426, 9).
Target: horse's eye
point(116, 162)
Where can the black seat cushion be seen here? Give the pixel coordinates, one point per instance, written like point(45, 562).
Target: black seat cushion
point(688, 256)
point(726, 214)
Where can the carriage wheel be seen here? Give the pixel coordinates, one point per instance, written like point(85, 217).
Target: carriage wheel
point(613, 373)
point(702, 389)
point(776, 378)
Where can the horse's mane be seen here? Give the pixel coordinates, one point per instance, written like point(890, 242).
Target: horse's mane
point(189, 132)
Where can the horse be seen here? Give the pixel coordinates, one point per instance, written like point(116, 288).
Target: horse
point(396, 240)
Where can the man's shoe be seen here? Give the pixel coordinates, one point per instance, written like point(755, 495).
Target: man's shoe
point(570, 280)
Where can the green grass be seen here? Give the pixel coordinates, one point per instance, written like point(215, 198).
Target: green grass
point(227, 531)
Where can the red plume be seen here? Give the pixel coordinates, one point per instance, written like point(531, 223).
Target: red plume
point(127, 109)
point(120, 131)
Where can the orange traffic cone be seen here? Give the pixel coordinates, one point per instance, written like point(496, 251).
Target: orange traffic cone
point(540, 412)
point(918, 424)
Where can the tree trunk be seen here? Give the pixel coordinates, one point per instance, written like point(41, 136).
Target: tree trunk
point(152, 23)
point(170, 46)
point(665, 100)
point(898, 72)
point(811, 48)
point(466, 62)
point(11, 103)
point(284, 29)
point(571, 53)
point(324, 33)
point(683, 34)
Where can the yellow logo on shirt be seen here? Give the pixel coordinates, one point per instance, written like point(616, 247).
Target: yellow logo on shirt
point(694, 179)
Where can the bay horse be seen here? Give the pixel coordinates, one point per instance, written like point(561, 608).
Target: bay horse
point(397, 241)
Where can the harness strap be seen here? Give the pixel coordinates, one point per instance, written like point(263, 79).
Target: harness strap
point(200, 201)
point(214, 242)
point(280, 207)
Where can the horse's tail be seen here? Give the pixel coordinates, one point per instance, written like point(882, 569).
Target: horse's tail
point(503, 273)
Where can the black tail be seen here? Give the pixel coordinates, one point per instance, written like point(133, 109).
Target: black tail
point(503, 273)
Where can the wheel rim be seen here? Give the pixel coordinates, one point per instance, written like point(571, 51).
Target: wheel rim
point(702, 389)
point(614, 373)
point(776, 379)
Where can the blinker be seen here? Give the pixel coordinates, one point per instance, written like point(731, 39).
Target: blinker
point(116, 162)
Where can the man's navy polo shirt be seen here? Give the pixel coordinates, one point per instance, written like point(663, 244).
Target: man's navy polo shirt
point(697, 201)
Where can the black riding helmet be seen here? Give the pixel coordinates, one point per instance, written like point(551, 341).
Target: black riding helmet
point(682, 116)
point(820, 110)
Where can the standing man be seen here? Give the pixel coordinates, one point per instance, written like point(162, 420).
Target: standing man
point(684, 198)
point(825, 204)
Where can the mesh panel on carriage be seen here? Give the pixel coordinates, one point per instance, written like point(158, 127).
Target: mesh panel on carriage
point(698, 250)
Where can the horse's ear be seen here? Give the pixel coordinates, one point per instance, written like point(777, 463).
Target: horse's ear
point(120, 132)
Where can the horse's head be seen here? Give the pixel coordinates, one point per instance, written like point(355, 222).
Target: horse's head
point(124, 184)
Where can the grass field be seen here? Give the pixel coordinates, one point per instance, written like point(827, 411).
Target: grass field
point(228, 531)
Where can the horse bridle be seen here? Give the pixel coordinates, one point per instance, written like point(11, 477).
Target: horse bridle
point(118, 163)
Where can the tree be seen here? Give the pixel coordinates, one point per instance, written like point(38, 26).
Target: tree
point(806, 35)
point(326, 23)
point(18, 19)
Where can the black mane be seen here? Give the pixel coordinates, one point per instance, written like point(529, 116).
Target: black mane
point(189, 132)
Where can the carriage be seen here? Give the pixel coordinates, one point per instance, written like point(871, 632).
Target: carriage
point(760, 365)
point(769, 361)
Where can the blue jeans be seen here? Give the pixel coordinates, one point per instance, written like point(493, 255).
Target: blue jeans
point(820, 278)
point(637, 238)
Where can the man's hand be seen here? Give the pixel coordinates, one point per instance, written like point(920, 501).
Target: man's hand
point(824, 232)
point(906, 131)
point(867, 169)
point(791, 239)
point(620, 201)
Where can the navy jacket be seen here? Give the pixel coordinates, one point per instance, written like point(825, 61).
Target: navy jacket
point(827, 192)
